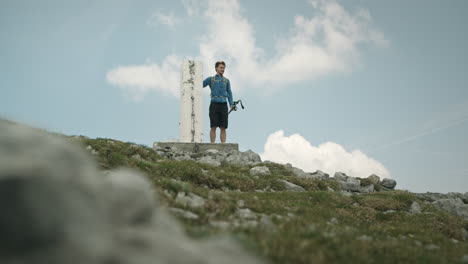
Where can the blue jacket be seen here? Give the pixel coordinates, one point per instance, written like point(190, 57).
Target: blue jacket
point(220, 89)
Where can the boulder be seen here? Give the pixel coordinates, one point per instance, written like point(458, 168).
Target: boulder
point(259, 171)
point(415, 208)
point(319, 175)
point(189, 199)
point(351, 184)
point(292, 187)
point(453, 206)
point(388, 183)
point(374, 179)
point(340, 176)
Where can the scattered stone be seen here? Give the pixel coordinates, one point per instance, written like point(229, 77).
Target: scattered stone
point(330, 189)
point(388, 183)
point(454, 240)
point(183, 213)
point(346, 193)
point(389, 211)
point(246, 213)
point(190, 199)
point(210, 161)
point(418, 243)
point(333, 221)
point(365, 238)
point(259, 171)
point(415, 208)
point(240, 203)
point(291, 186)
point(431, 247)
point(137, 157)
point(464, 259)
point(374, 179)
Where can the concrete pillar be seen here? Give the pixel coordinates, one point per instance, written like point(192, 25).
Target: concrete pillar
point(191, 102)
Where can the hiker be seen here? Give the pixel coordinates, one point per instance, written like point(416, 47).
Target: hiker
point(221, 94)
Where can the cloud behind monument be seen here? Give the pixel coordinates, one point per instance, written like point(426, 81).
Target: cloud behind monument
point(328, 41)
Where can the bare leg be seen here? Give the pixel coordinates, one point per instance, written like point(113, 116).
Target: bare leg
point(223, 135)
point(213, 134)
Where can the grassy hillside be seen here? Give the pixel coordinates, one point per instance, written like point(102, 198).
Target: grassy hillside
point(316, 226)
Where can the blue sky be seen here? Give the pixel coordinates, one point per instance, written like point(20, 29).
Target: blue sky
point(356, 86)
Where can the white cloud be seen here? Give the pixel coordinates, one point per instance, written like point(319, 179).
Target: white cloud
point(327, 41)
point(170, 20)
point(328, 157)
point(138, 79)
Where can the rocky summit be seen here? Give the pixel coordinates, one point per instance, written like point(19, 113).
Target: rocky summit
point(72, 199)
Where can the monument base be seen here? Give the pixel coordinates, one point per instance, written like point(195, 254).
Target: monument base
point(197, 147)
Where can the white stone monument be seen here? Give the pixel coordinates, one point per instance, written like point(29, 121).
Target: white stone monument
point(191, 102)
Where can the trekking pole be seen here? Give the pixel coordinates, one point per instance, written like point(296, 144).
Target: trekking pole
point(234, 106)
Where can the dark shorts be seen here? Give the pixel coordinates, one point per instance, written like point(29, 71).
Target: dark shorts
point(218, 115)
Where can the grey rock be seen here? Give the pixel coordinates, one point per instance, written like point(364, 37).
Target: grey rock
point(137, 157)
point(366, 189)
point(340, 176)
point(415, 208)
point(319, 175)
point(259, 171)
point(291, 186)
point(388, 183)
point(240, 203)
point(374, 179)
point(251, 156)
point(210, 161)
point(184, 213)
point(190, 199)
point(431, 247)
point(297, 172)
point(365, 238)
point(351, 184)
point(453, 206)
point(330, 189)
point(246, 213)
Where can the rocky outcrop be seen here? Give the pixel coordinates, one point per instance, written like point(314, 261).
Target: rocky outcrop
point(211, 156)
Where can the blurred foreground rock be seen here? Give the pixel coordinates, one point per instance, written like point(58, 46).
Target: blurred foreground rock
point(59, 209)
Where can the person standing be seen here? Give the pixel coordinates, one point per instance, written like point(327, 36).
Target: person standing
point(221, 95)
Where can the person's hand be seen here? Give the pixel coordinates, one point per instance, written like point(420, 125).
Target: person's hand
point(233, 108)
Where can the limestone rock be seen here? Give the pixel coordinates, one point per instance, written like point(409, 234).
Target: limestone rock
point(366, 189)
point(453, 206)
point(190, 199)
point(374, 179)
point(246, 213)
point(319, 175)
point(415, 208)
point(259, 171)
point(351, 184)
point(291, 186)
point(184, 213)
point(340, 176)
point(388, 183)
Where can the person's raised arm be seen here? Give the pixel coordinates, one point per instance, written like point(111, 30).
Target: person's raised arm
point(206, 82)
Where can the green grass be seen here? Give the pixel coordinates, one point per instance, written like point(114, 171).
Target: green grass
point(316, 226)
